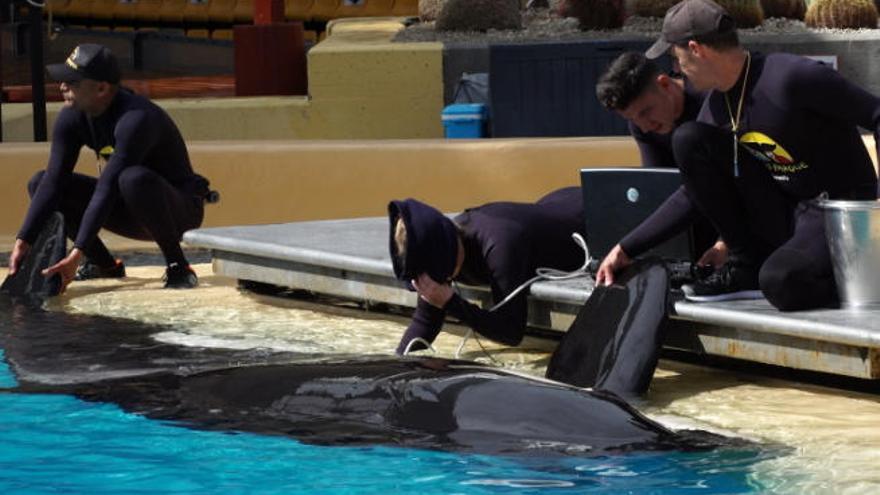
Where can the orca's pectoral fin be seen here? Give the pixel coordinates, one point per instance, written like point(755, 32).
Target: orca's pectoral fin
point(614, 342)
point(49, 248)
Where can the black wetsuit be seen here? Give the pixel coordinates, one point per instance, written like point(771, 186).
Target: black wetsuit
point(504, 243)
point(798, 138)
point(146, 188)
point(672, 217)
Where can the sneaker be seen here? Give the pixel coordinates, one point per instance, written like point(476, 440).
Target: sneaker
point(731, 281)
point(89, 271)
point(179, 276)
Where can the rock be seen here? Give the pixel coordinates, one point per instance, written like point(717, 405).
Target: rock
point(479, 15)
point(428, 9)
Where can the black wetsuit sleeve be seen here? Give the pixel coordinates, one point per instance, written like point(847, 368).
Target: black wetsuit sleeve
point(672, 217)
point(505, 325)
point(63, 154)
point(841, 99)
point(508, 263)
point(134, 137)
point(427, 320)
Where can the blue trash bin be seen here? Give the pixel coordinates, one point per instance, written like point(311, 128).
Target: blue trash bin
point(464, 120)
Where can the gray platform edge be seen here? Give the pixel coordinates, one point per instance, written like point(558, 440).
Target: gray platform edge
point(312, 255)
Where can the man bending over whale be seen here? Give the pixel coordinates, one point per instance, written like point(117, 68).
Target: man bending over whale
point(497, 244)
point(146, 188)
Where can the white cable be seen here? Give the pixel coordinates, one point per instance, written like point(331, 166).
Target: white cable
point(462, 343)
point(544, 273)
point(38, 5)
point(418, 340)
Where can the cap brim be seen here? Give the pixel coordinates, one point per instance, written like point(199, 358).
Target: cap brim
point(63, 73)
point(658, 49)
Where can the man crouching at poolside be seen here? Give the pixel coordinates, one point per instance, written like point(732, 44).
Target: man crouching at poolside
point(497, 244)
point(146, 187)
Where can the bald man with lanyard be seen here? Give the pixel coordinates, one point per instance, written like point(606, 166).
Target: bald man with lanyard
point(775, 132)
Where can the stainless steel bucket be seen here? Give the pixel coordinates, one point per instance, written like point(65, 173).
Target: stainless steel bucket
point(852, 229)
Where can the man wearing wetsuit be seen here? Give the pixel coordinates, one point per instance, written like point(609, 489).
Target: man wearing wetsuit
point(655, 104)
point(775, 132)
point(497, 244)
point(146, 188)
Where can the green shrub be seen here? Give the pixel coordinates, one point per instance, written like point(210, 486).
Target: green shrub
point(747, 13)
point(790, 9)
point(652, 8)
point(594, 14)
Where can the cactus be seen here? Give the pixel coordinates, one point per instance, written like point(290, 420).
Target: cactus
point(842, 14)
point(790, 9)
point(593, 14)
point(479, 15)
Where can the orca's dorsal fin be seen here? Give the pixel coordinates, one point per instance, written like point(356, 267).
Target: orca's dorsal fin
point(49, 248)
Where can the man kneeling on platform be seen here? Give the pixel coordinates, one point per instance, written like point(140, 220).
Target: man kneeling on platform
point(497, 244)
point(146, 188)
point(774, 132)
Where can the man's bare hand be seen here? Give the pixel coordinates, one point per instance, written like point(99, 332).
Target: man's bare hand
point(435, 294)
point(615, 261)
point(16, 258)
point(66, 268)
point(715, 255)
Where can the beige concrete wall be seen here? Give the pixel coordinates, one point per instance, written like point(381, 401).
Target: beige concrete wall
point(282, 181)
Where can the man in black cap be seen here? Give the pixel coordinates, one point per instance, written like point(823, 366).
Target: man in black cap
point(655, 104)
point(497, 244)
point(774, 132)
point(146, 188)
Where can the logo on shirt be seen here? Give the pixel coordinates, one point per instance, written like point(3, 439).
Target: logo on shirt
point(778, 161)
point(104, 155)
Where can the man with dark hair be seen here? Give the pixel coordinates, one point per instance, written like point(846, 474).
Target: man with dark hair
point(146, 188)
point(775, 132)
point(498, 244)
point(655, 104)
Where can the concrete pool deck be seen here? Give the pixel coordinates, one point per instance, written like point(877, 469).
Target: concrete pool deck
point(349, 259)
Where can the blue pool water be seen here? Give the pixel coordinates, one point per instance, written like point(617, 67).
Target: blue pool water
point(60, 444)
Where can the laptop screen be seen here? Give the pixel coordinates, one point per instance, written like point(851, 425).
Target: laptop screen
point(616, 200)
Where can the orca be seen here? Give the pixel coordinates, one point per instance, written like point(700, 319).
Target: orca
point(329, 400)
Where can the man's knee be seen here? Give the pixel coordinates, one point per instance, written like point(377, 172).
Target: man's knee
point(791, 281)
point(136, 181)
point(35, 182)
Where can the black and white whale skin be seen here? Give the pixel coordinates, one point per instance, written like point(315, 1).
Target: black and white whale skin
point(415, 402)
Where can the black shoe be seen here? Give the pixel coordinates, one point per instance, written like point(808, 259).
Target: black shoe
point(732, 281)
point(89, 271)
point(179, 276)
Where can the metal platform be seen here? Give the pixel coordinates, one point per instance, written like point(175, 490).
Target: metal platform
point(349, 259)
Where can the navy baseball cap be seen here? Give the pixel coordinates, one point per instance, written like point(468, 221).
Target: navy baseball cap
point(688, 20)
point(87, 61)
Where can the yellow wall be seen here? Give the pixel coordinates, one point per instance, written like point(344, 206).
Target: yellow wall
point(282, 181)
